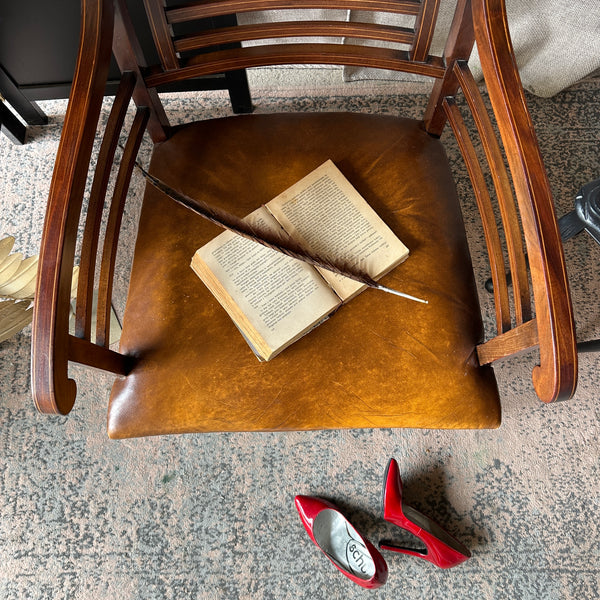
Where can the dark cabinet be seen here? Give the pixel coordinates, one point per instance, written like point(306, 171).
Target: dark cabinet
point(39, 40)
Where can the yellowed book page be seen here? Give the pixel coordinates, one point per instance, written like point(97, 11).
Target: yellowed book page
point(272, 298)
point(328, 216)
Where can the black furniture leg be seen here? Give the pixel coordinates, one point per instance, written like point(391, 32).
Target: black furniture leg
point(589, 346)
point(587, 208)
point(236, 81)
point(11, 126)
point(239, 93)
point(31, 113)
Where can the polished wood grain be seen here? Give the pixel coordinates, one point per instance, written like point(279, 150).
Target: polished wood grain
point(91, 235)
point(53, 391)
point(162, 34)
point(424, 29)
point(503, 189)
point(459, 44)
point(402, 153)
point(556, 376)
point(520, 339)
point(488, 218)
point(87, 353)
point(115, 215)
point(214, 8)
point(282, 54)
point(129, 56)
point(261, 31)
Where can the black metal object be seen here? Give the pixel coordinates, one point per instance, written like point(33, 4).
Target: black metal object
point(587, 208)
point(589, 346)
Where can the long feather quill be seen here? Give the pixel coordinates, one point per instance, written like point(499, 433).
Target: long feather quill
point(266, 237)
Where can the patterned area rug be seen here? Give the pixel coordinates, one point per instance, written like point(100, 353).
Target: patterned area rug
point(212, 516)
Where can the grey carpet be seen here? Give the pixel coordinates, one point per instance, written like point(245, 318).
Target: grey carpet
point(212, 516)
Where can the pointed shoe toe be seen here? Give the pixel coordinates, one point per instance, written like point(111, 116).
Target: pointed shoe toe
point(441, 548)
point(333, 534)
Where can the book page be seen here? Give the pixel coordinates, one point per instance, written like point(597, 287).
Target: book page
point(329, 217)
point(272, 298)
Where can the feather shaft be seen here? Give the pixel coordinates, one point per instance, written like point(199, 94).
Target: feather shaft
point(265, 237)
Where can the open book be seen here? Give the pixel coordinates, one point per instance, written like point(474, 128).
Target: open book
point(274, 299)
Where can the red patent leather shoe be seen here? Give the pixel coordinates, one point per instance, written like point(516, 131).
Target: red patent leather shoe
point(441, 548)
point(353, 555)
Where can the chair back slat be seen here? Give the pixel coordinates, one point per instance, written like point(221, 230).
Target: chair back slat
point(459, 45)
point(424, 29)
point(504, 193)
point(161, 32)
point(215, 8)
point(129, 57)
point(87, 262)
point(337, 54)
point(484, 203)
point(113, 226)
point(294, 29)
point(177, 49)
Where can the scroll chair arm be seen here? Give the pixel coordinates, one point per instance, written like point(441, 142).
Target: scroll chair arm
point(556, 376)
point(52, 346)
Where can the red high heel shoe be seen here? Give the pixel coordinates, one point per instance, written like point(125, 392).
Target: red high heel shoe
point(441, 548)
point(350, 553)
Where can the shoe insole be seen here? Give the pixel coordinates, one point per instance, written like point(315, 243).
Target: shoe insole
point(343, 544)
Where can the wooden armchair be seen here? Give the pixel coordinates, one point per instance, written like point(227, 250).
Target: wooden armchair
point(380, 361)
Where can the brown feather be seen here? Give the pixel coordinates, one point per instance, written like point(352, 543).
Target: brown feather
point(263, 236)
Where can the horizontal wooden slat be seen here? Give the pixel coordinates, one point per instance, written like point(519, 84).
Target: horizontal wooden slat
point(520, 338)
point(86, 353)
point(261, 31)
point(335, 54)
point(214, 8)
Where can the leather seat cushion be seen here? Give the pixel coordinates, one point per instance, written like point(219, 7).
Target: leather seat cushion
point(380, 361)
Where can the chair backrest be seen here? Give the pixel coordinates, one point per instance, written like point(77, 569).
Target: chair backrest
point(527, 244)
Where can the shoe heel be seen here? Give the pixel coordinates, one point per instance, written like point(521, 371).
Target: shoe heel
point(441, 549)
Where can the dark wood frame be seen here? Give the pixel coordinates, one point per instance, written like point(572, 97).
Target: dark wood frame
point(532, 215)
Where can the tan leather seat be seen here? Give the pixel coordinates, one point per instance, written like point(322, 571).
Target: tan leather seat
point(380, 361)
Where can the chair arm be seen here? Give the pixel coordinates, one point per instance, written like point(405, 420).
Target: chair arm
point(53, 391)
point(556, 376)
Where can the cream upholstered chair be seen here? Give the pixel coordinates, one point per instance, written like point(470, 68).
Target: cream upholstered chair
point(380, 362)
